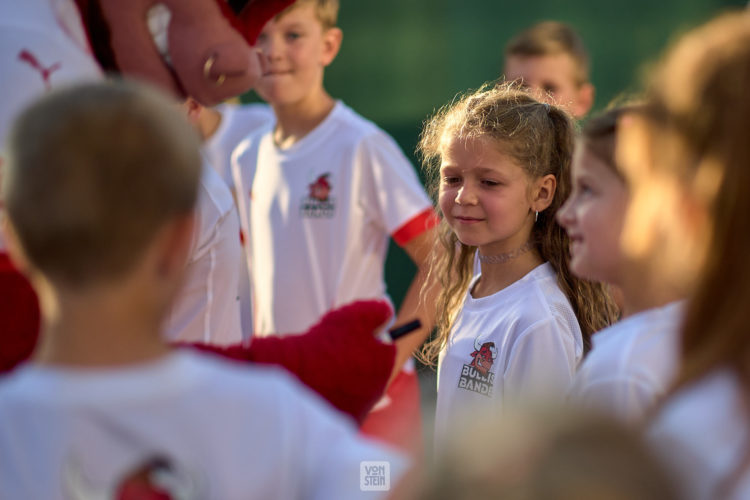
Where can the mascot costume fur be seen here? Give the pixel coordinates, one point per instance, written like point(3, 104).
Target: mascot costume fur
point(45, 43)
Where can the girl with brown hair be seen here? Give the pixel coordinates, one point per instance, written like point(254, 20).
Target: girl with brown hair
point(688, 159)
point(634, 361)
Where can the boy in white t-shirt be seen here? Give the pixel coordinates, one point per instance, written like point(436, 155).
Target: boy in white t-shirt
point(633, 362)
point(106, 409)
point(319, 193)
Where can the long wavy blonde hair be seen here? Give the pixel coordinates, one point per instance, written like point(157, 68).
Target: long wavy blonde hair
point(539, 137)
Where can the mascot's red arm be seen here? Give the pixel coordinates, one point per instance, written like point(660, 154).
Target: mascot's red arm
point(339, 357)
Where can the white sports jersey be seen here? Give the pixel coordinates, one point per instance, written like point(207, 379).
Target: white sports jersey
point(211, 429)
point(237, 122)
point(521, 343)
point(207, 308)
point(42, 45)
point(318, 216)
point(702, 434)
point(631, 365)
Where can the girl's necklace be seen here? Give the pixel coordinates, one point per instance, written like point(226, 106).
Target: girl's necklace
point(504, 257)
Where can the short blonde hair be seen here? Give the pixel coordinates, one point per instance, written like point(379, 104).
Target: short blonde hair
point(550, 38)
point(93, 172)
point(327, 11)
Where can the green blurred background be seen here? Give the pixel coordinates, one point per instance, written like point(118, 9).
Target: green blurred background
point(402, 59)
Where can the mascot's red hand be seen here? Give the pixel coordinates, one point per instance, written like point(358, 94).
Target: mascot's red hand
point(339, 357)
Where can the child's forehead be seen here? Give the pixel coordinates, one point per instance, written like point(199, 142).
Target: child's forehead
point(556, 64)
point(475, 151)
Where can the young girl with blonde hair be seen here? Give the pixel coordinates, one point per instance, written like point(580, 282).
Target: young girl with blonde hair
point(500, 162)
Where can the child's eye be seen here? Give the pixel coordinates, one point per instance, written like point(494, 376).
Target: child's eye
point(293, 35)
point(490, 183)
point(585, 189)
point(451, 180)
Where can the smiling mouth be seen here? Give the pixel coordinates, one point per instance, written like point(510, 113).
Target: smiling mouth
point(276, 73)
point(575, 241)
point(468, 220)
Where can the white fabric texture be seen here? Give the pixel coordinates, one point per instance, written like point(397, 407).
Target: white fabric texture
point(228, 431)
point(537, 346)
point(631, 365)
point(701, 433)
point(237, 122)
point(42, 45)
point(318, 216)
point(207, 307)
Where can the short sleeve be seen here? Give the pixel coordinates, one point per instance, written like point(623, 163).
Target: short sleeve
point(392, 192)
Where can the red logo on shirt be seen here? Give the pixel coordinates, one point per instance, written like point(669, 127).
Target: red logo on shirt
point(319, 204)
point(477, 375)
point(320, 189)
point(153, 479)
point(484, 355)
point(26, 56)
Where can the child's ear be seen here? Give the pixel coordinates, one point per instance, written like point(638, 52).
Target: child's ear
point(544, 192)
point(331, 44)
point(193, 110)
point(584, 100)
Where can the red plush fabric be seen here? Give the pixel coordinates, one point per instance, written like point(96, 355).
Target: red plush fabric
point(19, 316)
point(339, 357)
point(257, 13)
point(397, 417)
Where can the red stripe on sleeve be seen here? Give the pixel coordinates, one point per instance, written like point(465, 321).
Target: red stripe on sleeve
point(416, 226)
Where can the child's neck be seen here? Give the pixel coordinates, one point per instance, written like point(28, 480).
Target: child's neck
point(294, 121)
point(96, 329)
point(496, 277)
point(639, 295)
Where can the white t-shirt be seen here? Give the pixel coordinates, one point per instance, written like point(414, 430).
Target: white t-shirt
point(703, 433)
point(207, 307)
point(227, 431)
point(318, 216)
point(520, 344)
point(237, 122)
point(42, 45)
point(631, 365)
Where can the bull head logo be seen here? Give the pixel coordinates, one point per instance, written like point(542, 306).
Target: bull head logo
point(484, 355)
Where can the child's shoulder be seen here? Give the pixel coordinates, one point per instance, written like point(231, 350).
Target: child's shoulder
point(542, 300)
point(355, 126)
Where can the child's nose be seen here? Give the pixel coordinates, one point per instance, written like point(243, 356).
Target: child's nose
point(564, 215)
point(465, 196)
point(267, 49)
